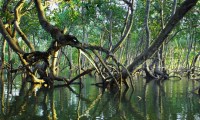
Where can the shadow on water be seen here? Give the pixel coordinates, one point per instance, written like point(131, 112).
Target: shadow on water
point(170, 100)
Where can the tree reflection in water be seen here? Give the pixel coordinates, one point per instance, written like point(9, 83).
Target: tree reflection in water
point(169, 100)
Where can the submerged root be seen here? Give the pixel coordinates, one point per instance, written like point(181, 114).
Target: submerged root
point(174, 76)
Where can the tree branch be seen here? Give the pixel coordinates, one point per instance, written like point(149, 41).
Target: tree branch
point(55, 32)
point(127, 28)
point(11, 41)
point(18, 16)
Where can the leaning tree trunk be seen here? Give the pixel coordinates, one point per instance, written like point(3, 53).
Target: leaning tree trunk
point(179, 14)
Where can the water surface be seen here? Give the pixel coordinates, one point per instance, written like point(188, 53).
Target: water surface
point(171, 100)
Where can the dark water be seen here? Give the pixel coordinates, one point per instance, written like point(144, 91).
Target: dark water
point(173, 100)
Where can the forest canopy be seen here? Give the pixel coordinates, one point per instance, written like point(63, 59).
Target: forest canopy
point(63, 40)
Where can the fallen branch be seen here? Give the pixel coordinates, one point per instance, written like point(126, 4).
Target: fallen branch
point(80, 75)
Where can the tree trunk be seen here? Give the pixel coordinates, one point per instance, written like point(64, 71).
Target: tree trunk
point(179, 14)
point(149, 74)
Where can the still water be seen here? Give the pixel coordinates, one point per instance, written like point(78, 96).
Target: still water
point(172, 100)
